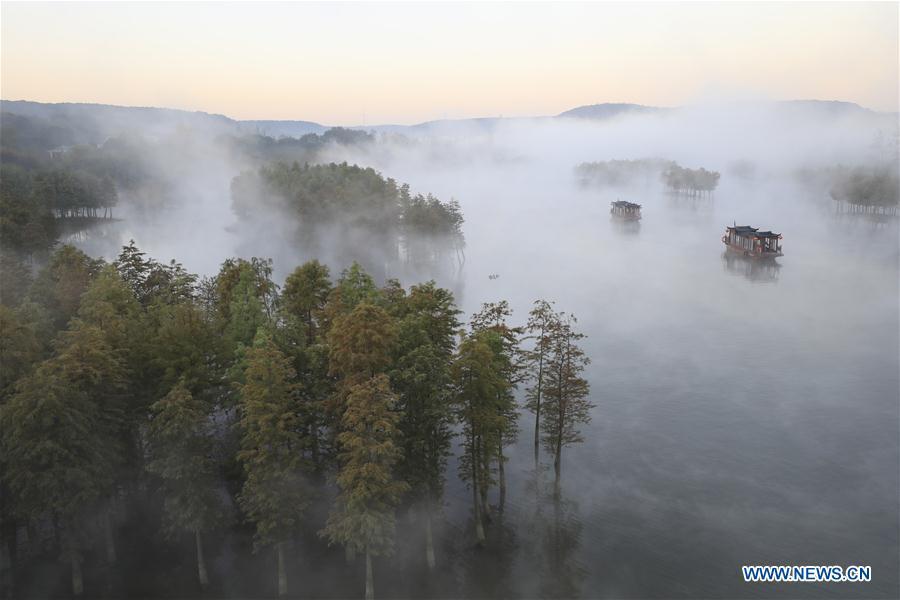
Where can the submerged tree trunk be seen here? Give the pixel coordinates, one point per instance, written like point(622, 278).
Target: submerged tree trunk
point(557, 462)
point(429, 538)
point(537, 407)
point(201, 561)
point(282, 574)
point(108, 536)
point(483, 487)
point(501, 472)
point(476, 500)
point(77, 578)
point(370, 579)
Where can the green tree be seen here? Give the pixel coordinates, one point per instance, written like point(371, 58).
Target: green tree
point(305, 294)
point(20, 349)
point(182, 456)
point(61, 283)
point(566, 402)
point(478, 383)
point(363, 518)
point(421, 376)
point(508, 356)
point(275, 495)
point(542, 320)
point(58, 438)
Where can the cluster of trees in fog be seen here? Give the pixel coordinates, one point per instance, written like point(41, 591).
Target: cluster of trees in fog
point(868, 189)
point(682, 180)
point(352, 211)
point(677, 179)
point(234, 402)
point(610, 173)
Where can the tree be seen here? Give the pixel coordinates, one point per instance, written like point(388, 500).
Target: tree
point(354, 287)
point(94, 367)
point(16, 278)
point(182, 456)
point(421, 376)
point(361, 342)
point(184, 346)
point(58, 448)
point(363, 517)
point(541, 322)
point(305, 294)
point(303, 337)
point(61, 283)
point(275, 495)
point(508, 357)
point(478, 383)
point(19, 349)
point(567, 406)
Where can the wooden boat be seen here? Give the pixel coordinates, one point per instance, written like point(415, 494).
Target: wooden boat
point(625, 211)
point(751, 242)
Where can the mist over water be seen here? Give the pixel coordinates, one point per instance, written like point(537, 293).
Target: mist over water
point(744, 414)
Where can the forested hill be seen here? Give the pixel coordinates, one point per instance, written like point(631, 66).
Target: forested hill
point(92, 123)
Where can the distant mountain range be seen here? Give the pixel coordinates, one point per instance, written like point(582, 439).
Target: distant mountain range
point(103, 119)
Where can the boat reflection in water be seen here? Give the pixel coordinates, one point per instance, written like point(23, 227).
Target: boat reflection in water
point(762, 271)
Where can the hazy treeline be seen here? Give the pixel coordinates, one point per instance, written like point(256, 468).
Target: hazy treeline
point(873, 189)
point(233, 402)
point(353, 213)
point(694, 182)
point(612, 173)
point(618, 173)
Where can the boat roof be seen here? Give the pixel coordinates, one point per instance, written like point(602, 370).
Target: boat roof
point(746, 230)
point(623, 204)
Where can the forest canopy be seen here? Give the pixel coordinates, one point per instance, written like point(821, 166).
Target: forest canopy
point(233, 407)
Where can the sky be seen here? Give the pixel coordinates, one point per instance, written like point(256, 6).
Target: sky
point(370, 63)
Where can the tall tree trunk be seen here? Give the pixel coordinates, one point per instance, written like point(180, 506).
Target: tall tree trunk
point(201, 561)
point(501, 472)
point(109, 538)
point(7, 561)
point(370, 579)
point(557, 461)
point(282, 574)
point(476, 500)
point(483, 484)
point(314, 445)
point(77, 578)
point(429, 538)
point(537, 407)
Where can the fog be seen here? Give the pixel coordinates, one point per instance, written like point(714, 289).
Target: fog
point(744, 414)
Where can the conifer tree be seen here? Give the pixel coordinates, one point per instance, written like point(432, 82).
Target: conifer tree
point(61, 283)
point(478, 384)
point(508, 359)
point(305, 294)
point(421, 376)
point(361, 343)
point(20, 349)
point(566, 402)
point(363, 517)
point(275, 495)
point(541, 322)
point(55, 464)
point(182, 456)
